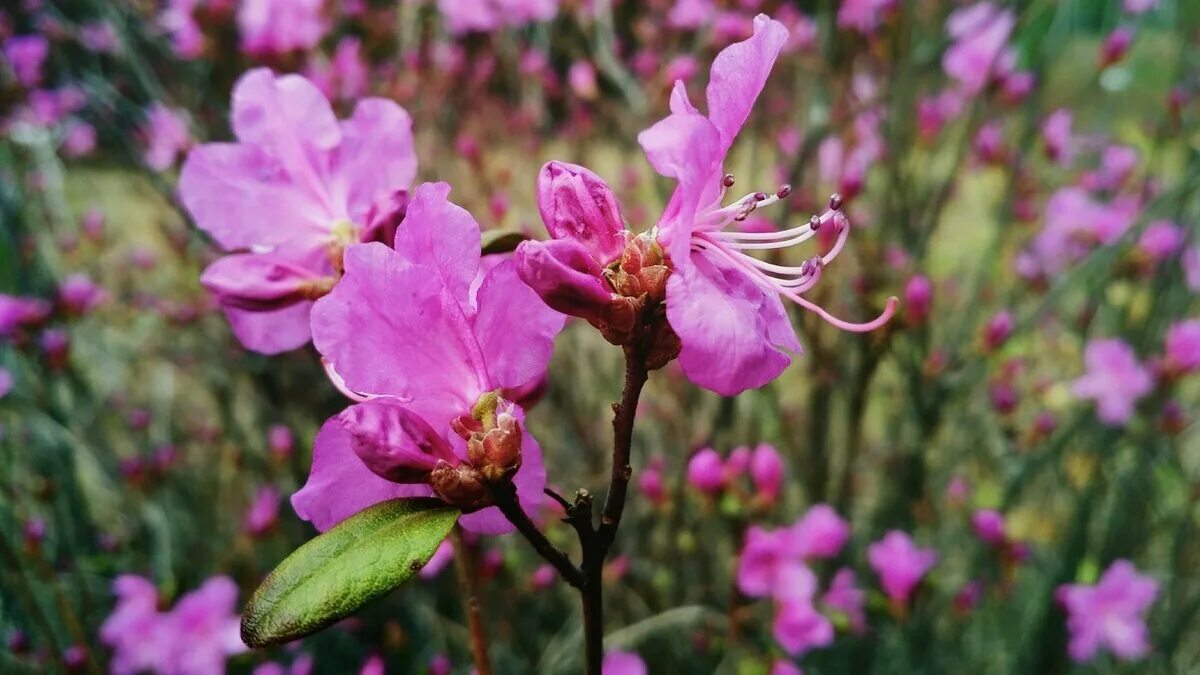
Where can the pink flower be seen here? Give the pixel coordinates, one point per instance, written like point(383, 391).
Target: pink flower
point(1182, 348)
point(263, 512)
point(485, 16)
point(900, 564)
point(765, 557)
point(918, 298)
point(706, 471)
point(651, 482)
point(1056, 134)
point(623, 663)
point(167, 136)
point(864, 16)
point(582, 78)
point(17, 312)
point(1074, 223)
point(723, 303)
point(195, 637)
point(1114, 379)
point(374, 665)
point(798, 626)
point(998, 329)
point(344, 76)
point(295, 189)
point(821, 533)
point(1189, 261)
point(988, 525)
point(1139, 6)
point(79, 294)
point(178, 19)
point(280, 440)
point(1116, 45)
point(79, 139)
point(418, 336)
point(980, 34)
point(1109, 615)
point(1160, 240)
point(280, 26)
point(691, 14)
point(845, 597)
point(26, 54)
point(767, 471)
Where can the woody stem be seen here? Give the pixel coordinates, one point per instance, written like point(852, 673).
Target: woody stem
point(466, 564)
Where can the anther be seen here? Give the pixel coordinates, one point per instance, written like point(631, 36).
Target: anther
point(760, 196)
point(814, 223)
point(783, 191)
point(835, 202)
point(727, 181)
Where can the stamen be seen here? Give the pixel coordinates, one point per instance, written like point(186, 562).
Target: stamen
point(835, 202)
point(727, 181)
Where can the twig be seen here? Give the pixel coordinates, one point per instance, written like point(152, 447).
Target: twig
point(464, 562)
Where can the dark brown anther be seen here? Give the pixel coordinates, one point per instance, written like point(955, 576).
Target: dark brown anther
point(760, 196)
point(727, 181)
point(814, 223)
point(783, 191)
point(835, 202)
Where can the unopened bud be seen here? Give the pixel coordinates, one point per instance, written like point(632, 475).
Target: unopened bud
point(497, 452)
point(460, 486)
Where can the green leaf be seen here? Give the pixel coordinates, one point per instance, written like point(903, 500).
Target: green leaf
point(362, 558)
point(500, 241)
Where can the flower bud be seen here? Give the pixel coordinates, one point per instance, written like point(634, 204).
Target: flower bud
point(494, 444)
point(997, 330)
point(565, 275)
point(1115, 46)
point(706, 471)
point(262, 282)
point(577, 204)
point(393, 442)
point(918, 296)
point(460, 486)
point(988, 525)
point(766, 470)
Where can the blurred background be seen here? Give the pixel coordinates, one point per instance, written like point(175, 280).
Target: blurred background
point(1022, 174)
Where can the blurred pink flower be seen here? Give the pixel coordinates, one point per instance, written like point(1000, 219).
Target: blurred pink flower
point(723, 303)
point(280, 440)
point(1139, 6)
point(167, 136)
point(1114, 379)
point(980, 33)
point(1182, 348)
point(691, 14)
point(280, 26)
point(706, 471)
point(79, 294)
point(196, 636)
point(864, 16)
point(1161, 239)
point(988, 525)
point(485, 16)
point(1056, 134)
point(374, 665)
point(582, 78)
point(900, 564)
point(821, 533)
point(478, 334)
point(179, 20)
point(651, 482)
point(297, 187)
point(998, 329)
point(1110, 614)
point(918, 298)
point(767, 472)
point(1074, 222)
point(6, 382)
point(78, 140)
point(1116, 45)
point(18, 312)
point(798, 627)
point(845, 597)
point(263, 512)
point(781, 667)
point(623, 663)
point(26, 55)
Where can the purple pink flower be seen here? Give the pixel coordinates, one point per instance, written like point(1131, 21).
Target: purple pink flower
point(284, 200)
point(900, 564)
point(1114, 379)
point(1109, 615)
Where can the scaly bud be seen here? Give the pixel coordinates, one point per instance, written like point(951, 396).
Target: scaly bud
point(460, 486)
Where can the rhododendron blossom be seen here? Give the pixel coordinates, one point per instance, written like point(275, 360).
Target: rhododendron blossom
point(723, 303)
point(425, 341)
point(900, 564)
point(1109, 615)
point(280, 26)
point(289, 196)
point(1114, 379)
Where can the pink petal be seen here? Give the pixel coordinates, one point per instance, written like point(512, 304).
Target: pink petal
point(271, 332)
point(442, 235)
point(515, 329)
point(565, 275)
point(739, 74)
point(376, 155)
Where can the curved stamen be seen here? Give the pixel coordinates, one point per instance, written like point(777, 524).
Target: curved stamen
point(815, 223)
point(339, 383)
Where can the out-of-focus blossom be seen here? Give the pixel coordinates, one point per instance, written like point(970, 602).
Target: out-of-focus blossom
point(17, 312)
point(296, 188)
point(1109, 615)
point(721, 301)
point(764, 557)
point(78, 140)
point(416, 429)
point(1056, 134)
point(691, 14)
point(280, 440)
point(345, 75)
point(166, 135)
point(582, 78)
point(196, 636)
point(968, 597)
point(1074, 223)
point(900, 564)
point(918, 298)
point(1139, 6)
point(706, 471)
point(767, 472)
point(998, 329)
point(543, 577)
point(1117, 162)
point(864, 16)
point(1160, 240)
point(623, 663)
point(374, 665)
point(988, 525)
point(1116, 45)
point(179, 20)
point(263, 512)
point(821, 533)
point(846, 598)
point(485, 16)
point(99, 36)
point(781, 667)
point(280, 26)
point(26, 54)
point(6, 382)
point(980, 33)
point(1189, 261)
point(652, 483)
point(79, 294)
point(1114, 379)
point(798, 627)
point(1182, 348)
